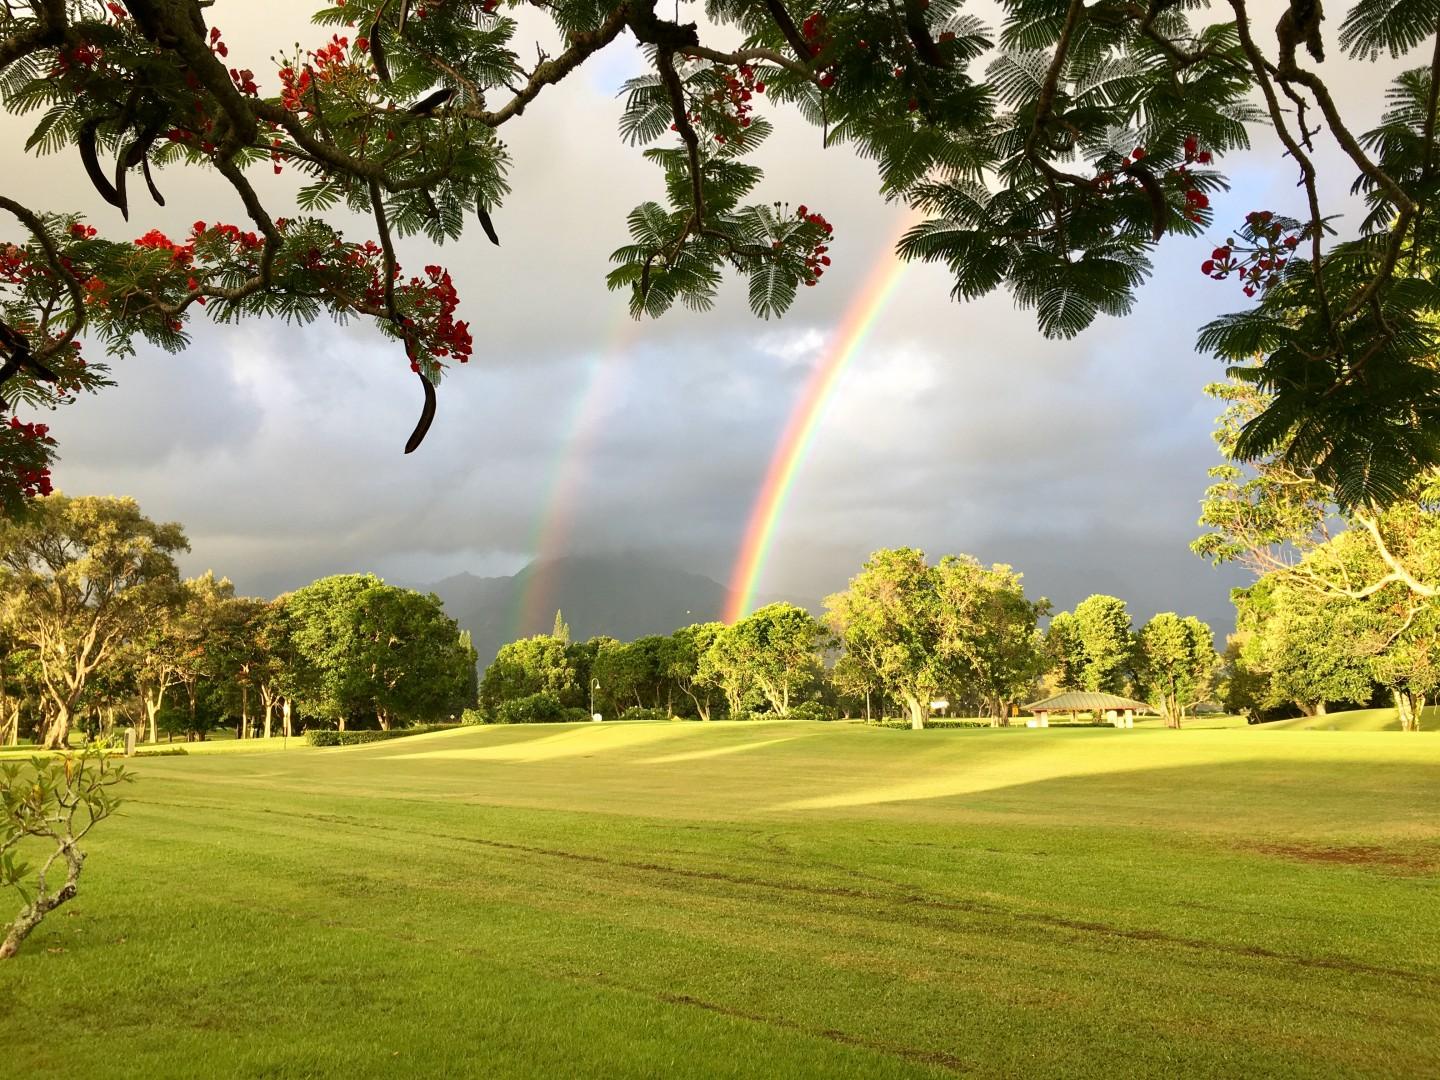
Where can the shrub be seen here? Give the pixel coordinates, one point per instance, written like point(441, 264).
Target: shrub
point(637, 713)
point(939, 722)
point(472, 717)
point(541, 708)
point(326, 737)
point(813, 710)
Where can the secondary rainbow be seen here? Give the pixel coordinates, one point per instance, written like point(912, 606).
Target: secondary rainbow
point(799, 433)
point(556, 518)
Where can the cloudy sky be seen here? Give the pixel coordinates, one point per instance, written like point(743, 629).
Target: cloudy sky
point(957, 429)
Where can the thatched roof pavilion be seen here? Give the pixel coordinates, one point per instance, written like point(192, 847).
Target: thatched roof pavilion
point(1120, 711)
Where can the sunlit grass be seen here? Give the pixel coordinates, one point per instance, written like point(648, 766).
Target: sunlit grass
point(775, 900)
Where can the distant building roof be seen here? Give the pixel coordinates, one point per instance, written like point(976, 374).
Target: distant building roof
point(1081, 700)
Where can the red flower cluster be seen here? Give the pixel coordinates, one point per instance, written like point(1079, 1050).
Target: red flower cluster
point(326, 60)
point(31, 482)
point(816, 259)
point(81, 231)
point(181, 254)
point(247, 241)
point(1195, 199)
point(16, 265)
point(244, 79)
point(1257, 266)
point(83, 55)
point(293, 87)
point(813, 31)
point(437, 301)
point(218, 47)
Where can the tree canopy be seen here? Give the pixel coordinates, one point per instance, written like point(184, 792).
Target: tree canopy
point(1048, 155)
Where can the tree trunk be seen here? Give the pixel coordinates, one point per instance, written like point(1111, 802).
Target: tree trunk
point(381, 716)
point(867, 705)
point(244, 710)
point(285, 716)
point(1405, 706)
point(57, 734)
point(1319, 709)
point(43, 903)
point(917, 712)
point(342, 721)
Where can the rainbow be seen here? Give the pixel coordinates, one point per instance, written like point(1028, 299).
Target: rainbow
point(800, 430)
point(562, 492)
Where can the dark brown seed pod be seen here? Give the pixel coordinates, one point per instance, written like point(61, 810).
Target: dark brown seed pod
point(1159, 209)
point(430, 102)
point(150, 182)
point(486, 223)
point(86, 141)
point(377, 52)
point(427, 415)
point(122, 200)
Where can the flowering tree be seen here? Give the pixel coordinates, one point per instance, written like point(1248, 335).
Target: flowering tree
point(1088, 134)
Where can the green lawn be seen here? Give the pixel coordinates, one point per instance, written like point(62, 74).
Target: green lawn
point(765, 899)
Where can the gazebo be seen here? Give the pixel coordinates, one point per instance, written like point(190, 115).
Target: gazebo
point(1120, 711)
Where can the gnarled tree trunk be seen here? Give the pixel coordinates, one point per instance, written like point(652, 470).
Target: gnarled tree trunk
point(917, 710)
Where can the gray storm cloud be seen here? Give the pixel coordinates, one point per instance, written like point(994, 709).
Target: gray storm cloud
point(958, 428)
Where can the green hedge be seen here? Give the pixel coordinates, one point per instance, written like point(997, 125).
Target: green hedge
point(541, 708)
point(900, 724)
point(636, 712)
point(326, 737)
point(813, 710)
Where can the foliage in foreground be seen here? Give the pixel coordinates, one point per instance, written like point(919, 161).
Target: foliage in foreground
point(1047, 156)
point(52, 803)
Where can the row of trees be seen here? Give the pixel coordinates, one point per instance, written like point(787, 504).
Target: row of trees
point(98, 628)
point(902, 635)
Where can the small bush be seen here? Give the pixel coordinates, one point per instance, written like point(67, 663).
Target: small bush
point(541, 708)
point(637, 713)
point(472, 717)
point(813, 710)
point(939, 722)
point(326, 737)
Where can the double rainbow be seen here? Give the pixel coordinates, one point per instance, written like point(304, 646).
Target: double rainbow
point(553, 525)
point(799, 433)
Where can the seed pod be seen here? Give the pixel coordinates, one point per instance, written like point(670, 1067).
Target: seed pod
point(86, 141)
point(427, 415)
point(486, 223)
point(1159, 209)
point(430, 102)
point(150, 182)
point(377, 52)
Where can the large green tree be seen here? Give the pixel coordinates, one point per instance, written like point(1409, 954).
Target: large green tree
point(1313, 650)
point(1048, 155)
point(988, 626)
point(779, 646)
point(683, 658)
point(1176, 663)
point(367, 648)
point(529, 666)
point(1107, 645)
point(77, 578)
point(890, 619)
